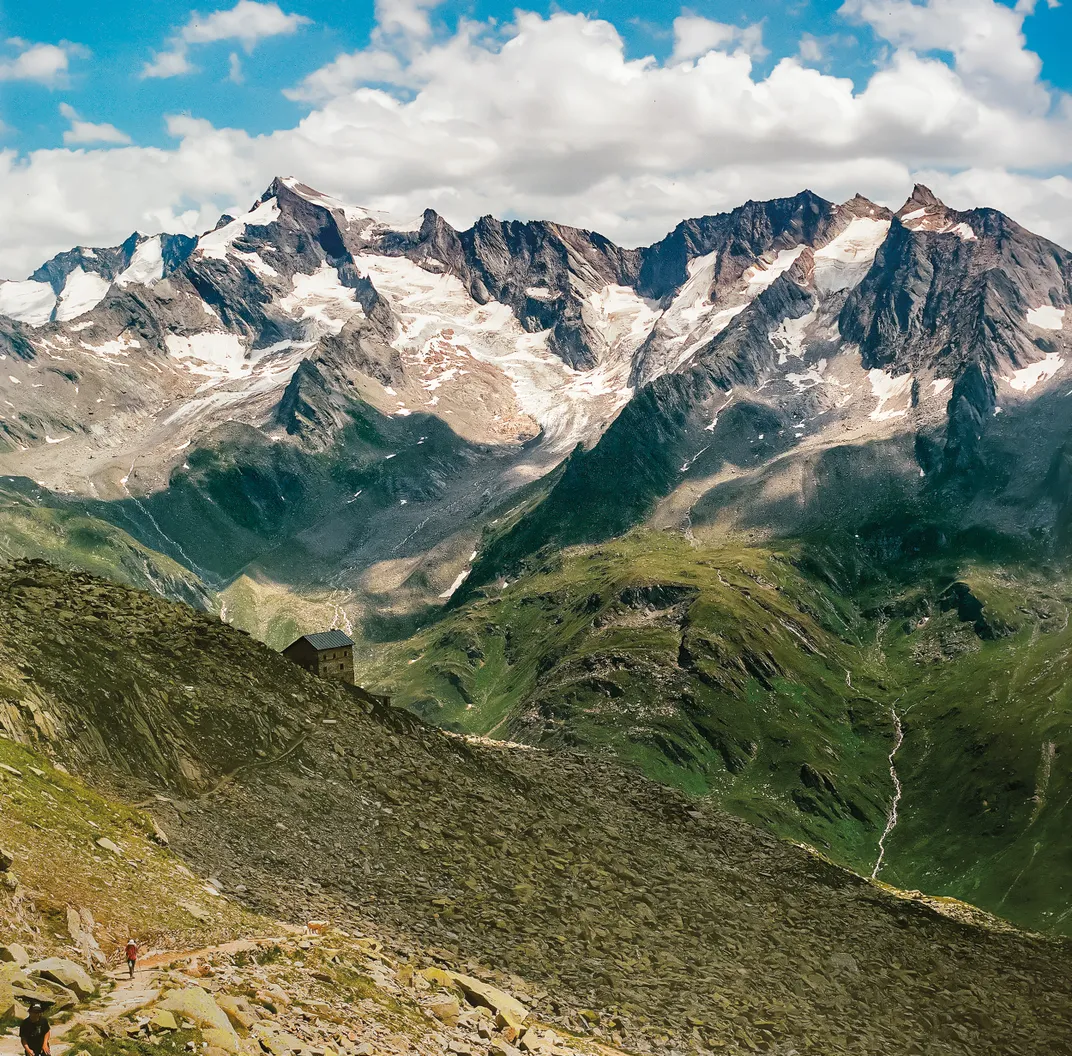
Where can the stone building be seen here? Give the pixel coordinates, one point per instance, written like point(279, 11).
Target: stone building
point(329, 654)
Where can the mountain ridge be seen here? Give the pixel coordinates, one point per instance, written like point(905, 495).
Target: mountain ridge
point(322, 418)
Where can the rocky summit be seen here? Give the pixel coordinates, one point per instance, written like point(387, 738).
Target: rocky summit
point(462, 875)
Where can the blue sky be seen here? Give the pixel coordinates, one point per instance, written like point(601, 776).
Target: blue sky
point(105, 86)
point(860, 94)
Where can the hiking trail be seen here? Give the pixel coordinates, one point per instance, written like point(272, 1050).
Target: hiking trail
point(128, 994)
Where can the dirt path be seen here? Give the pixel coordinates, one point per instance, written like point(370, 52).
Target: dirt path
point(130, 994)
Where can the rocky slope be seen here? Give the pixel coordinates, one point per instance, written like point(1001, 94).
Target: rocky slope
point(629, 912)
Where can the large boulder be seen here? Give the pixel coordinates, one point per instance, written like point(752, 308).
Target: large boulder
point(162, 1020)
point(276, 1042)
point(53, 996)
point(7, 860)
point(66, 973)
point(226, 1040)
point(198, 1007)
point(14, 954)
point(239, 1011)
point(508, 1011)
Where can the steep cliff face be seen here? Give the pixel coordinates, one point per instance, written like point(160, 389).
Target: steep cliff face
point(967, 296)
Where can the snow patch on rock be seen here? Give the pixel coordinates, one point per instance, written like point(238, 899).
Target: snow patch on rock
point(257, 264)
point(82, 292)
point(217, 244)
point(322, 300)
point(760, 276)
point(29, 302)
point(1045, 317)
point(788, 338)
point(119, 347)
point(622, 316)
point(214, 355)
point(146, 265)
point(1026, 379)
point(452, 589)
point(887, 389)
point(843, 262)
point(810, 378)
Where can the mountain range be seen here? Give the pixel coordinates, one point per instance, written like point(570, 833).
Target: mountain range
point(776, 509)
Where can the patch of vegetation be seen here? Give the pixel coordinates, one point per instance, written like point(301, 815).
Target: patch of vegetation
point(73, 846)
point(166, 1043)
point(72, 539)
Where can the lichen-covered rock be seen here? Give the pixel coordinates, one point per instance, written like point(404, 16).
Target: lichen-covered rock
point(14, 953)
point(196, 1005)
point(66, 973)
point(160, 1019)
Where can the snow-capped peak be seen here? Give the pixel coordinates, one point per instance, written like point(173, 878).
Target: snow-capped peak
point(216, 244)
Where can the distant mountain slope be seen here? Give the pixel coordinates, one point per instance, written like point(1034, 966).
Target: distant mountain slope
point(771, 681)
point(634, 913)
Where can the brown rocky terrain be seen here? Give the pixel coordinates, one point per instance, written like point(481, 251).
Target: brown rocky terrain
point(624, 912)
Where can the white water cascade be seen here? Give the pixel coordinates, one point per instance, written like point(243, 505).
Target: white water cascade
point(891, 821)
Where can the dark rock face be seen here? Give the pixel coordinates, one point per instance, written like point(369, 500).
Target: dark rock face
point(112, 261)
point(951, 299)
point(739, 237)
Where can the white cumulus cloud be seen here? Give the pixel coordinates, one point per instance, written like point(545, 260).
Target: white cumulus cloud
point(82, 132)
point(247, 22)
point(695, 36)
point(985, 38)
point(548, 117)
point(46, 64)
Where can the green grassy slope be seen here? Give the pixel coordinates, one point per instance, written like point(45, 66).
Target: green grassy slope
point(733, 672)
point(50, 824)
point(987, 712)
point(71, 538)
point(717, 670)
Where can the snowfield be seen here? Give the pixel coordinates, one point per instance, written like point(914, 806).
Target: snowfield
point(28, 302)
point(843, 262)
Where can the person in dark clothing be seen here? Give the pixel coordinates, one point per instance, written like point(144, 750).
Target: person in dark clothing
point(35, 1033)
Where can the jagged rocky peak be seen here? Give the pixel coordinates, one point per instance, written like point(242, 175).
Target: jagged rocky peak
point(773, 232)
point(861, 206)
point(922, 197)
point(924, 211)
point(74, 282)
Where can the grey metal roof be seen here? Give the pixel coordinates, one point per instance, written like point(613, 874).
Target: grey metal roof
point(328, 640)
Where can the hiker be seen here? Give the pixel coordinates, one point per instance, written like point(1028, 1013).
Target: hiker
point(35, 1033)
point(132, 956)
